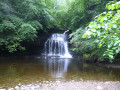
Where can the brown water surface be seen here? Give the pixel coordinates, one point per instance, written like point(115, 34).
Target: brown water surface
point(30, 70)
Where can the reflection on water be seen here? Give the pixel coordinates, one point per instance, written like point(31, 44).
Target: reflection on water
point(56, 67)
point(32, 70)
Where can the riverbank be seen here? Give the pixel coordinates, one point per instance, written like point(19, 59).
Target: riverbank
point(72, 85)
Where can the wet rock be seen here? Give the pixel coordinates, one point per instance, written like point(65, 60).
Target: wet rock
point(73, 80)
point(107, 82)
point(16, 88)
point(47, 82)
point(99, 88)
point(81, 79)
point(2, 88)
point(57, 81)
point(64, 81)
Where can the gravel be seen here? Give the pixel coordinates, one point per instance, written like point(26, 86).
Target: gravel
point(71, 85)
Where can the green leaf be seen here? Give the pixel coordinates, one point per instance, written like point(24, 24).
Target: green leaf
point(85, 36)
point(110, 56)
point(100, 45)
point(109, 7)
point(114, 26)
point(117, 51)
point(109, 45)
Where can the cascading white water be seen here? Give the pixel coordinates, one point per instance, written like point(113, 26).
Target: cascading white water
point(57, 46)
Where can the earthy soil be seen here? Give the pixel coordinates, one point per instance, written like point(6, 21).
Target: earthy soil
point(72, 85)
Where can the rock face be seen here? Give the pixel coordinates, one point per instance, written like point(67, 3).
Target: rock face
point(72, 85)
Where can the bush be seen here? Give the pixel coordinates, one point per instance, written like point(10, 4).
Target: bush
point(105, 29)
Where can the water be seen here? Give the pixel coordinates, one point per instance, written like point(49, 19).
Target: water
point(33, 70)
point(57, 46)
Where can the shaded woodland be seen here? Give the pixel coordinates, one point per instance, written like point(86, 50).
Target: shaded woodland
point(94, 25)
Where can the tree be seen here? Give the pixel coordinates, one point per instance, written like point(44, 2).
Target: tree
point(105, 29)
point(20, 20)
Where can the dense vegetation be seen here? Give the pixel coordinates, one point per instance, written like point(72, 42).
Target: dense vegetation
point(94, 24)
point(105, 31)
point(100, 38)
point(20, 20)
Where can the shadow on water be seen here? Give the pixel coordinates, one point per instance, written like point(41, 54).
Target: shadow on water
point(27, 70)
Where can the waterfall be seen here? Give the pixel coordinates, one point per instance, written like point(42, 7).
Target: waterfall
point(57, 46)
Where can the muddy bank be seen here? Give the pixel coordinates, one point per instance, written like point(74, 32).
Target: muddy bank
point(71, 85)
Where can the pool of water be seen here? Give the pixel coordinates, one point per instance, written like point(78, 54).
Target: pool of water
point(27, 70)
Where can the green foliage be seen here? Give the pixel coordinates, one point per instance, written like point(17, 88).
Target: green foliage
point(11, 38)
point(20, 20)
point(81, 45)
point(6, 27)
point(16, 21)
point(27, 32)
point(36, 25)
point(81, 12)
point(105, 29)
